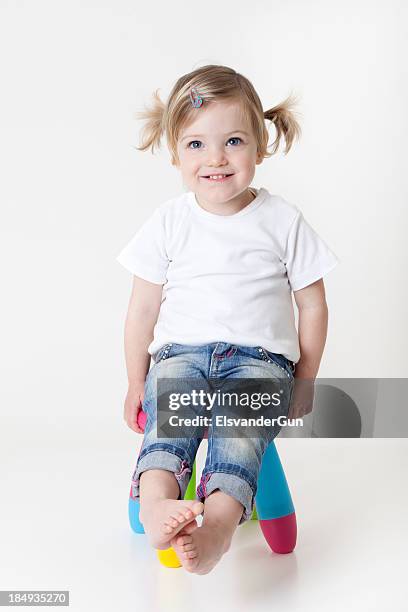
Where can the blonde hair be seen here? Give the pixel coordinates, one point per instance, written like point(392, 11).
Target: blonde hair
point(215, 82)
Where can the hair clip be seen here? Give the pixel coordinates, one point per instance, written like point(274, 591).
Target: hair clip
point(196, 99)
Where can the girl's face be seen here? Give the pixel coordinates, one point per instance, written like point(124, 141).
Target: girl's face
point(218, 141)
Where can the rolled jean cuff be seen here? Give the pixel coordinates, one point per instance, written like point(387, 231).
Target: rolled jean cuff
point(162, 460)
point(232, 485)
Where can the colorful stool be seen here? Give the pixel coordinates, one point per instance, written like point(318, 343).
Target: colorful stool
point(273, 506)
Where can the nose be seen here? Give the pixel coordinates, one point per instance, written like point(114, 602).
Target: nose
point(216, 156)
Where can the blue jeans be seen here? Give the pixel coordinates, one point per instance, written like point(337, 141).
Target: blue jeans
point(232, 464)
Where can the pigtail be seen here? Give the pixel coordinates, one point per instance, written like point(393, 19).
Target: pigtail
point(153, 128)
point(285, 123)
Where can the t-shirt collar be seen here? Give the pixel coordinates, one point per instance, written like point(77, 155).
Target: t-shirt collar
point(257, 201)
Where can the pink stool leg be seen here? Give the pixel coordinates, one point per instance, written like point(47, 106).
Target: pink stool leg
point(276, 513)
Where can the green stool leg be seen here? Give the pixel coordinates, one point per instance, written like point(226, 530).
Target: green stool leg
point(191, 488)
point(254, 516)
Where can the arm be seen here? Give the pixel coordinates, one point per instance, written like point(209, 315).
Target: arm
point(312, 328)
point(312, 332)
point(143, 310)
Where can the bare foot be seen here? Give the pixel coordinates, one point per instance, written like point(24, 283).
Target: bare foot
point(189, 528)
point(167, 517)
point(200, 551)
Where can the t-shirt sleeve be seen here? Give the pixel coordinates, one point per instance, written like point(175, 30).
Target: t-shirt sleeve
point(307, 257)
point(145, 255)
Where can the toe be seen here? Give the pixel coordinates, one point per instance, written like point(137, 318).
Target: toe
point(185, 539)
point(190, 554)
point(190, 564)
point(198, 508)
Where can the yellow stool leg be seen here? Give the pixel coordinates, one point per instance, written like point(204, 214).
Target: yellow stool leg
point(168, 557)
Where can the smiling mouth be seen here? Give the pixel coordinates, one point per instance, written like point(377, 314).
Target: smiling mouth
point(217, 178)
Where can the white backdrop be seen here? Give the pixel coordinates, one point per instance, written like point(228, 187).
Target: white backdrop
point(74, 189)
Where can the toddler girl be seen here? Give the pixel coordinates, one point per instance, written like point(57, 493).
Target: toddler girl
point(214, 271)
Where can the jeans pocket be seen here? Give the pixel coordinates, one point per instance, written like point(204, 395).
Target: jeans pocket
point(279, 360)
point(164, 352)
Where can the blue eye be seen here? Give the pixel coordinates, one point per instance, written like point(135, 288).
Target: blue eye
point(199, 141)
point(192, 143)
point(234, 138)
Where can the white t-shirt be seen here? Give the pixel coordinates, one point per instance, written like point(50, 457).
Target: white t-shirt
point(228, 278)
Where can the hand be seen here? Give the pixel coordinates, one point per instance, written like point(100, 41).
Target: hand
point(133, 405)
point(302, 398)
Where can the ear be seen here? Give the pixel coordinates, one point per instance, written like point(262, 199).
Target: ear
point(259, 158)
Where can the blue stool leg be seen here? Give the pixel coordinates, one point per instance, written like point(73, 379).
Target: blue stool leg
point(133, 504)
point(133, 509)
point(274, 504)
